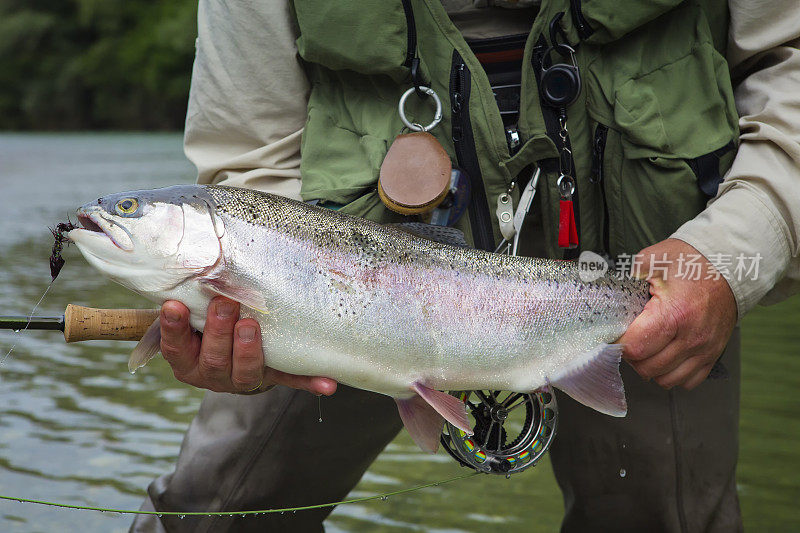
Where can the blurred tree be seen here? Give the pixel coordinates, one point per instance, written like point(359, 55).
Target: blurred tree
point(95, 64)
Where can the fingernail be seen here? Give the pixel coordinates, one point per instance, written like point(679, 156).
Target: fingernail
point(224, 309)
point(247, 333)
point(172, 316)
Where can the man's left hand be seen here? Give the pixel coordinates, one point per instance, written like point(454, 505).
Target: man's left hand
point(686, 324)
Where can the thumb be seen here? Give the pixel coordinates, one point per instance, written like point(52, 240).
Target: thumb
point(640, 265)
point(648, 334)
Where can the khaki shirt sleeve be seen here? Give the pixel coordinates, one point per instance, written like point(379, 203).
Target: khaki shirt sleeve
point(248, 98)
point(751, 230)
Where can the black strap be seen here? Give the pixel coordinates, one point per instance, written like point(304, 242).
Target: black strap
point(706, 169)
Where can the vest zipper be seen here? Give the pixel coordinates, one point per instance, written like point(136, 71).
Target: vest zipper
point(598, 158)
point(580, 22)
point(411, 32)
point(464, 144)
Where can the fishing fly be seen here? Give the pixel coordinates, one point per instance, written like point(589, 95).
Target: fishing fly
point(56, 264)
point(56, 261)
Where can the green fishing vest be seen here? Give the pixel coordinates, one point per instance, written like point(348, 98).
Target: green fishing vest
point(653, 130)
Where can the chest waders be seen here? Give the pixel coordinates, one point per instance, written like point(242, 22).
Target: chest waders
point(650, 134)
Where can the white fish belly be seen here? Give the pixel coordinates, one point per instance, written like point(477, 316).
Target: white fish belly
point(445, 333)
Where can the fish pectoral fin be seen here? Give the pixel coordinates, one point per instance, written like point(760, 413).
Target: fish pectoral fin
point(451, 408)
point(147, 348)
point(243, 295)
point(422, 421)
point(595, 380)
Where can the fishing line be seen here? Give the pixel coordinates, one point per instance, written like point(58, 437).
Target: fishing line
point(30, 317)
point(182, 514)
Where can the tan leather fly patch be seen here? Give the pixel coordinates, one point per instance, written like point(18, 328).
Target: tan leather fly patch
point(415, 175)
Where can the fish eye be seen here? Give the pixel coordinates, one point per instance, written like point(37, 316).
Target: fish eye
point(127, 206)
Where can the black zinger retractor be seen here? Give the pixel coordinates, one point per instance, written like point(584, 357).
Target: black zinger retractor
point(560, 82)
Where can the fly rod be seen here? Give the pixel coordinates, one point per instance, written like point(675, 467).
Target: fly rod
point(80, 323)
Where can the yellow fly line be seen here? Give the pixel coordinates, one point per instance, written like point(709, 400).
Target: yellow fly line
point(184, 514)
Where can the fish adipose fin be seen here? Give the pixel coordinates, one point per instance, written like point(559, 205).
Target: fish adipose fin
point(595, 381)
point(147, 348)
point(246, 297)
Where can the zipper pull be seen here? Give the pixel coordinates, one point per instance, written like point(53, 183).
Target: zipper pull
point(567, 229)
point(598, 153)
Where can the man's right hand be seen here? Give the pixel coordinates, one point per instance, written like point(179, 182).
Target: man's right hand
point(228, 357)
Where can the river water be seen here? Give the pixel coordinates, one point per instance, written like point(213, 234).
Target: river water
point(77, 428)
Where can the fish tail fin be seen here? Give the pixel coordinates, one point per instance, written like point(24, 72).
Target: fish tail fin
point(147, 348)
point(595, 380)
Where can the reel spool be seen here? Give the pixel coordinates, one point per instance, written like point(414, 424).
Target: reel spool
point(512, 430)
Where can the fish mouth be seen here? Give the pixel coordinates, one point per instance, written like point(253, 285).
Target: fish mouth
point(89, 224)
point(95, 223)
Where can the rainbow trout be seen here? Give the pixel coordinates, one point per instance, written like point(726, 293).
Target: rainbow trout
point(369, 305)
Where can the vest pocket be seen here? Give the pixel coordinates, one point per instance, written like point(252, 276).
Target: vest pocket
point(664, 153)
point(683, 109)
point(370, 36)
point(645, 198)
point(656, 196)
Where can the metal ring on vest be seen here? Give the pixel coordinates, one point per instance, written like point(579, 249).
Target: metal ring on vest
point(413, 126)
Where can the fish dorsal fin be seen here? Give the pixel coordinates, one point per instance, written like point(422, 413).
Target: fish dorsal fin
point(595, 380)
point(147, 348)
point(422, 421)
point(441, 234)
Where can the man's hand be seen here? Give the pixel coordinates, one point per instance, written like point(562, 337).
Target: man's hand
point(685, 326)
point(228, 357)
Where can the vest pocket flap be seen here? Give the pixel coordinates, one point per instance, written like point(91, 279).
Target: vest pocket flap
point(369, 36)
point(681, 110)
point(342, 168)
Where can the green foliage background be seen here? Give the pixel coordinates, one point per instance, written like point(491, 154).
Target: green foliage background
point(95, 64)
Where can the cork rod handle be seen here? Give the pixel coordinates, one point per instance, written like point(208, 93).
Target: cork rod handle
point(87, 323)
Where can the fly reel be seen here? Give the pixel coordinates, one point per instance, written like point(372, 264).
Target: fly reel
point(512, 430)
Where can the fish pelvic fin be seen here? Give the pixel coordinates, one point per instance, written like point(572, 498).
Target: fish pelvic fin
point(424, 414)
point(451, 408)
point(147, 348)
point(595, 380)
point(422, 422)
